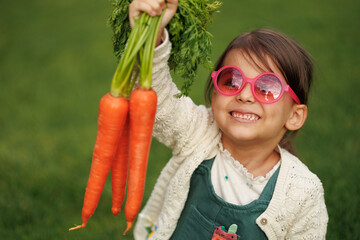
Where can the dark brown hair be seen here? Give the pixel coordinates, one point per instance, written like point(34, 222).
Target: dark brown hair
point(288, 56)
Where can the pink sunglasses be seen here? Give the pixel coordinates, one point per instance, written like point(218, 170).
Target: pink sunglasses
point(266, 88)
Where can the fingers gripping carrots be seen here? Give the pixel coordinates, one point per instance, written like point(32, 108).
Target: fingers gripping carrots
point(111, 119)
point(142, 109)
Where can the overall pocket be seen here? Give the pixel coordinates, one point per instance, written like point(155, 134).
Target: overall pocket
point(196, 227)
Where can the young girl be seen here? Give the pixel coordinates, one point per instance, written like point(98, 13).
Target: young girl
point(232, 174)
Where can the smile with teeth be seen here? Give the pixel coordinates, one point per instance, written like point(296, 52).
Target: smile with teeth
point(245, 116)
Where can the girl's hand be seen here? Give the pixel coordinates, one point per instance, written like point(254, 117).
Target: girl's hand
point(153, 8)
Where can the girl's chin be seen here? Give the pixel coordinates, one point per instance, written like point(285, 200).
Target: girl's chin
point(242, 137)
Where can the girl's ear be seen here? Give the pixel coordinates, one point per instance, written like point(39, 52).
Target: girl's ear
point(297, 117)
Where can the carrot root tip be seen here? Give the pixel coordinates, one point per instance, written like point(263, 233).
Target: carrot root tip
point(128, 227)
point(77, 227)
point(115, 211)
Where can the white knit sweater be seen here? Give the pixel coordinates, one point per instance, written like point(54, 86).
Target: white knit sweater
point(297, 209)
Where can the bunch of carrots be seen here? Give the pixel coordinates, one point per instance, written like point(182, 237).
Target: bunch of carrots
point(125, 123)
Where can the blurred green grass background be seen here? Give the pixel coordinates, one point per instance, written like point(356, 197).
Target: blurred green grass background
point(56, 62)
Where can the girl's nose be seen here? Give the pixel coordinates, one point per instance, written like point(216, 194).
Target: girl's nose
point(246, 94)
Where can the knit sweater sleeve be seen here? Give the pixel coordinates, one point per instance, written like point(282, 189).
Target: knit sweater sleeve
point(312, 218)
point(179, 123)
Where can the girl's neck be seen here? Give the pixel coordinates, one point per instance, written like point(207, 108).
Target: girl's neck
point(258, 159)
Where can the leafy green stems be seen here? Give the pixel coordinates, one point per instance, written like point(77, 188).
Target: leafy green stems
point(191, 41)
point(147, 53)
point(137, 56)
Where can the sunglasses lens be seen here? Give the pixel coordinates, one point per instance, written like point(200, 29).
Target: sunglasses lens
point(268, 88)
point(229, 80)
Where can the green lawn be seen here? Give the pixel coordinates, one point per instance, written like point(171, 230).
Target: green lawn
point(56, 62)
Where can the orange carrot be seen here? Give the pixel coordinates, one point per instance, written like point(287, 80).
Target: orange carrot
point(119, 170)
point(142, 109)
point(111, 119)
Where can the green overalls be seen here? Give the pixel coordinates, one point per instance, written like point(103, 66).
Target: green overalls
point(204, 211)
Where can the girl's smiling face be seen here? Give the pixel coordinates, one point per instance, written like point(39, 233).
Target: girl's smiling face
point(242, 119)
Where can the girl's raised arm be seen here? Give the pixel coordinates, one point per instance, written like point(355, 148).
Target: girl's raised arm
point(180, 124)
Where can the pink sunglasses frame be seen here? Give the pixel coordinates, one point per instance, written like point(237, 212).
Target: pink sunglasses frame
point(284, 87)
